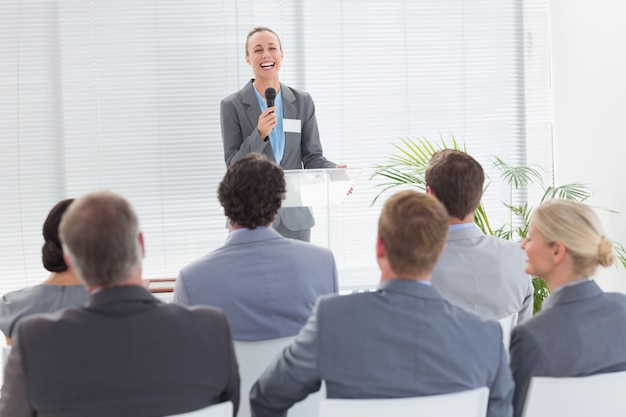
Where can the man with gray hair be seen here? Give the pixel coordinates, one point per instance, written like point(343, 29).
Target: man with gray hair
point(124, 353)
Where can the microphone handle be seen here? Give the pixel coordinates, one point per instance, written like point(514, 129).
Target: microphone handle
point(270, 103)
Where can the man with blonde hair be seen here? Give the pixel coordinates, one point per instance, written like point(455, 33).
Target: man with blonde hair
point(404, 340)
point(124, 353)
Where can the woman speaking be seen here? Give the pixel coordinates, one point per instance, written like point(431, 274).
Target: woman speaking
point(286, 132)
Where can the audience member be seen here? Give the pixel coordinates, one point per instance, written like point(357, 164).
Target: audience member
point(483, 274)
point(265, 283)
point(124, 353)
point(61, 289)
point(580, 330)
point(403, 340)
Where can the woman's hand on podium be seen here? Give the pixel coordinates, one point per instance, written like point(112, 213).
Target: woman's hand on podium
point(345, 166)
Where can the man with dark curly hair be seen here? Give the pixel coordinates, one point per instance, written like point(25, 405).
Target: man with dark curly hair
point(266, 284)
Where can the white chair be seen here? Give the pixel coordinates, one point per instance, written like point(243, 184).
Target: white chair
point(596, 395)
point(253, 358)
point(6, 351)
point(507, 325)
point(472, 403)
point(215, 410)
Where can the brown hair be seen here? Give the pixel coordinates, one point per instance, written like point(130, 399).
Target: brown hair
point(413, 227)
point(52, 251)
point(457, 180)
point(252, 191)
point(262, 29)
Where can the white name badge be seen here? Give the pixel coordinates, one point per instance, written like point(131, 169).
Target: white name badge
point(292, 125)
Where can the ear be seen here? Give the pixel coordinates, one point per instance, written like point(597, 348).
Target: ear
point(248, 59)
point(430, 191)
point(68, 261)
point(143, 246)
point(558, 252)
point(380, 248)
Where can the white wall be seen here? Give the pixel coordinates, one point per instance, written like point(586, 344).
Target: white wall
point(589, 108)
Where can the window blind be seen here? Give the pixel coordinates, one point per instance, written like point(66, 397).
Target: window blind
point(124, 95)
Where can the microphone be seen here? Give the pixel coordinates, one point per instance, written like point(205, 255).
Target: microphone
point(270, 96)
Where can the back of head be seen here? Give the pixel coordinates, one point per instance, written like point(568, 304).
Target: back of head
point(100, 234)
point(457, 180)
point(413, 227)
point(578, 227)
point(252, 191)
point(52, 251)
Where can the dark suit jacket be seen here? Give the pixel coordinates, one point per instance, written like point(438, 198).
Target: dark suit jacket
point(123, 354)
point(581, 331)
point(403, 340)
point(239, 115)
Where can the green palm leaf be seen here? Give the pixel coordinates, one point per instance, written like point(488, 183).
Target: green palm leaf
point(575, 191)
point(408, 164)
point(518, 176)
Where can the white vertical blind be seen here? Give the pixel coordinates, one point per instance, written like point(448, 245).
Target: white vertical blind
point(124, 95)
point(31, 169)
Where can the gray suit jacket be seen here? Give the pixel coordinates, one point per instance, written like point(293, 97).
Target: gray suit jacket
point(239, 116)
point(485, 275)
point(124, 353)
point(581, 331)
point(39, 298)
point(403, 340)
point(265, 283)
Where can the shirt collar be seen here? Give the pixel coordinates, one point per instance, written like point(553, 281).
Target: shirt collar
point(548, 302)
point(460, 226)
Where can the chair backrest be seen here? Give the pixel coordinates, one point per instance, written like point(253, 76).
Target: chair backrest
point(596, 395)
point(472, 403)
point(6, 351)
point(215, 410)
point(507, 325)
point(254, 358)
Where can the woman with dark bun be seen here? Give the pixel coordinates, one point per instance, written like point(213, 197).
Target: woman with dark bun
point(581, 330)
point(61, 289)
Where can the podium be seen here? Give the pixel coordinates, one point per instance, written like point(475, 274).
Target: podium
point(322, 190)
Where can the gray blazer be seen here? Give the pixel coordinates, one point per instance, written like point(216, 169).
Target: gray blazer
point(239, 116)
point(123, 354)
point(265, 283)
point(41, 298)
point(403, 340)
point(581, 331)
point(485, 275)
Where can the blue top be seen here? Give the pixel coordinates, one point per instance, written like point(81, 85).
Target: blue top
point(460, 226)
point(277, 135)
point(38, 299)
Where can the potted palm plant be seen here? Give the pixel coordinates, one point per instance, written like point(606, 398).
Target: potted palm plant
point(408, 164)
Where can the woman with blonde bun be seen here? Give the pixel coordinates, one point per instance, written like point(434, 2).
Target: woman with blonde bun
point(581, 329)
